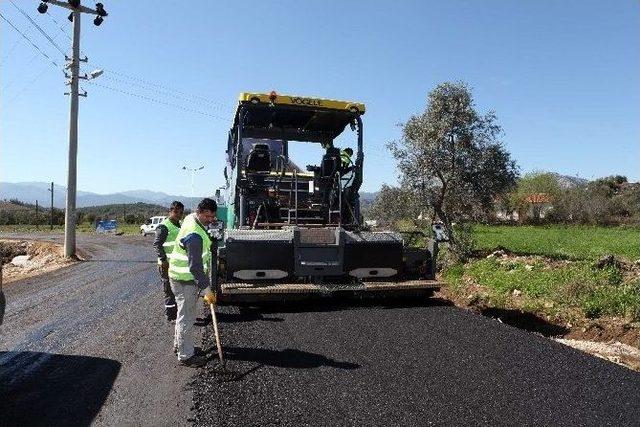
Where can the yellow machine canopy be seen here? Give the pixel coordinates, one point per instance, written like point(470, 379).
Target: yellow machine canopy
point(295, 118)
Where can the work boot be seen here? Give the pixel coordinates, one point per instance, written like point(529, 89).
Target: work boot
point(195, 361)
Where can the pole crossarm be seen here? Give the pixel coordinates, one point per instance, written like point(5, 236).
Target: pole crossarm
point(66, 5)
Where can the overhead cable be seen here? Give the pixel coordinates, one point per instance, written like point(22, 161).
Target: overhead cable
point(167, 88)
point(35, 46)
point(35, 24)
point(178, 95)
point(10, 50)
point(59, 26)
point(26, 86)
point(155, 100)
point(63, 31)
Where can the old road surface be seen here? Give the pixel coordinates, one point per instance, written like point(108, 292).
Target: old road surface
point(88, 344)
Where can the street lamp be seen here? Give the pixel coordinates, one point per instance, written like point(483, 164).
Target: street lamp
point(95, 74)
point(193, 172)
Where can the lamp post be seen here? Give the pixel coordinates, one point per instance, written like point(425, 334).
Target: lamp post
point(193, 173)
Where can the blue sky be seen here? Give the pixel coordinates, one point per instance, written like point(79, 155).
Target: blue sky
point(562, 76)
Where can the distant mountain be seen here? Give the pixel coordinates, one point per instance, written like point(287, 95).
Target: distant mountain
point(566, 181)
point(368, 197)
point(31, 191)
point(145, 194)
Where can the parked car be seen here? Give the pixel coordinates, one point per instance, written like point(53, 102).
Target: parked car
point(150, 225)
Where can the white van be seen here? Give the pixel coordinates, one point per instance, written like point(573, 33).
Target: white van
point(149, 227)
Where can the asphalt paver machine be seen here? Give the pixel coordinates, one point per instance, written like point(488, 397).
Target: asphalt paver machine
point(297, 233)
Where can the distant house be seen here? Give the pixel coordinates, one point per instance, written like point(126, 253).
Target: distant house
point(535, 206)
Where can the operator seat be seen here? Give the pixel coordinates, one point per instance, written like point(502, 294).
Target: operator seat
point(326, 178)
point(259, 159)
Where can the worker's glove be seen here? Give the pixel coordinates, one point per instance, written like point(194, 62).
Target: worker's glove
point(209, 296)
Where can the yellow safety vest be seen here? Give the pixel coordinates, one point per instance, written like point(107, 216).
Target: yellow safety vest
point(171, 237)
point(179, 262)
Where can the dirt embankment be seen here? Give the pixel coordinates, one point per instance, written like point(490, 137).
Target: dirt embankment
point(23, 258)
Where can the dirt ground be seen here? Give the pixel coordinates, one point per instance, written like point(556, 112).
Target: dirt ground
point(42, 257)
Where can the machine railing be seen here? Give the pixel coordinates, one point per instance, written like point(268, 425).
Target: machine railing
point(339, 211)
point(293, 189)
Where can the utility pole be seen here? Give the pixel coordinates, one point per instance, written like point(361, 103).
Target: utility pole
point(51, 190)
point(74, 65)
point(37, 214)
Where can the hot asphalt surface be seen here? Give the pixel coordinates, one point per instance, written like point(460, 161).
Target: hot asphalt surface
point(406, 365)
point(89, 344)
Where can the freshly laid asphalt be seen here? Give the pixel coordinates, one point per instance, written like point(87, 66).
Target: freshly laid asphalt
point(426, 364)
point(88, 344)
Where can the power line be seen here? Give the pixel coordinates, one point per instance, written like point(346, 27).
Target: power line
point(35, 24)
point(10, 51)
point(17, 76)
point(59, 26)
point(165, 87)
point(63, 31)
point(157, 101)
point(190, 98)
point(151, 86)
point(29, 40)
point(26, 86)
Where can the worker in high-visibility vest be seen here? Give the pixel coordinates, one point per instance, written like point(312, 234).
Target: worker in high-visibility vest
point(166, 234)
point(345, 160)
point(189, 267)
point(347, 177)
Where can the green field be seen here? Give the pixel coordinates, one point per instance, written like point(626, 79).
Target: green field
point(564, 242)
point(82, 228)
point(556, 273)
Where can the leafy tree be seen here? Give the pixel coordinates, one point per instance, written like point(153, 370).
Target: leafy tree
point(131, 218)
point(393, 204)
point(450, 156)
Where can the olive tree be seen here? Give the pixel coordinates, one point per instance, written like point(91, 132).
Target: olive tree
point(451, 157)
point(394, 204)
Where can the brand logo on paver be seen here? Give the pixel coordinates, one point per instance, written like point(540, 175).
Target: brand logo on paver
point(306, 101)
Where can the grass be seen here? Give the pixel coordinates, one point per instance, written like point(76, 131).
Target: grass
point(82, 228)
point(572, 242)
point(556, 273)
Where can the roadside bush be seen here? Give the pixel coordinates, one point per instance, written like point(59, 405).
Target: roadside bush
point(614, 301)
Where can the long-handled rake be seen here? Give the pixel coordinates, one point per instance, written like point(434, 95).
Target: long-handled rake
point(214, 320)
point(223, 374)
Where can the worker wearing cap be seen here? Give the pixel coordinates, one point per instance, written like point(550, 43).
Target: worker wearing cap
point(189, 267)
point(345, 159)
point(166, 234)
point(347, 177)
